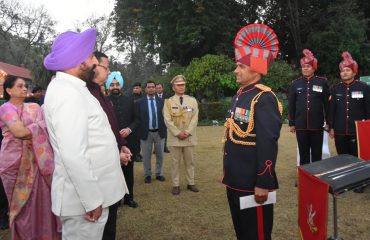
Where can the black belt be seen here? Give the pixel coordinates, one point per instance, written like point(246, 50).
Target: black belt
point(153, 130)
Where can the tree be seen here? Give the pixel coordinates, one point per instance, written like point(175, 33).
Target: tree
point(210, 77)
point(345, 31)
point(25, 34)
point(181, 30)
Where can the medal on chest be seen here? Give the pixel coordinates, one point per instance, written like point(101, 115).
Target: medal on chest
point(242, 114)
point(317, 88)
point(357, 94)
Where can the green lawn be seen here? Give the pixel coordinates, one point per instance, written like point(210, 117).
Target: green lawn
point(205, 215)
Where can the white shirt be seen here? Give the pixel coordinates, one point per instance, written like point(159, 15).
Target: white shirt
point(87, 166)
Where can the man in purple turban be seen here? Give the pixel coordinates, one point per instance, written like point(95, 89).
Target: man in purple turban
point(87, 178)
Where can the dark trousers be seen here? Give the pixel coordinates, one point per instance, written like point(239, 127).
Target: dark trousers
point(250, 223)
point(4, 219)
point(128, 171)
point(346, 144)
point(110, 227)
point(309, 145)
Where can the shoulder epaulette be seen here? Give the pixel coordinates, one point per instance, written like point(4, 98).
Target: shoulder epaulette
point(263, 87)
point(362, 82)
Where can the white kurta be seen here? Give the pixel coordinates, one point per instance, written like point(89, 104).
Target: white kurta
point(87, 165)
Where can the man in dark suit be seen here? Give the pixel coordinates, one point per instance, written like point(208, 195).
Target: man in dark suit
point(124, 109)
point(161, 94)
point(152, 130)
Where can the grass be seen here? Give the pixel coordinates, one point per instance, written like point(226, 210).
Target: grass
point(205, 215)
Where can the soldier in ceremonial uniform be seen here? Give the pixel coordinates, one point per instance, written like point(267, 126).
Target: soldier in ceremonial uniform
point(308, 109)
point(180, 114)
point(252, 130)
point(349, 102)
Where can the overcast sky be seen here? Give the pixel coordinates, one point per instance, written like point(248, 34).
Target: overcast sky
point(68, 13)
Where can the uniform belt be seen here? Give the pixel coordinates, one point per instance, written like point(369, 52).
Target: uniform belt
point(153, 130)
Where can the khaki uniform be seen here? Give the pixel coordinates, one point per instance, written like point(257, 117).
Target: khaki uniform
point(177, 118)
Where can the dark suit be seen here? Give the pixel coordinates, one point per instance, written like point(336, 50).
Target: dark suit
point(148, 136)
point(124, 108)
point(348, 103)
point(308, 109)
point(143, 116)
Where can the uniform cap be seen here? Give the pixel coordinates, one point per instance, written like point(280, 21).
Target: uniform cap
point(178, 79)
point(256, 45)
point(308, 58)
point(348, 62)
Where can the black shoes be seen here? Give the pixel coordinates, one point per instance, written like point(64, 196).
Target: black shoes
point(148, 179)
point(131, 203)
point(175, 190)
point(193, 188)
point(166, 150)
point(160, 178)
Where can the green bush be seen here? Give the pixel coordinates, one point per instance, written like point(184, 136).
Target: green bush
point(213, 111)
point(210, 77)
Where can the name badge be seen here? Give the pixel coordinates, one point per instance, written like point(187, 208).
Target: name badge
point(242, 114)
point(188, 109)
point(317, 88)
point(175, 107)
point(357, 94)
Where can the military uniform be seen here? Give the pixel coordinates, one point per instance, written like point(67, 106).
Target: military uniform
point(348, 103)
point(179, 117)
point(308, 110)
point(252, 130)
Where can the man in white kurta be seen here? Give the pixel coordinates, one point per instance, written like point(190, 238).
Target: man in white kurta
point(87, 178)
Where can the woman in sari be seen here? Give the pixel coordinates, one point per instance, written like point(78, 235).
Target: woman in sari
point(26, 165)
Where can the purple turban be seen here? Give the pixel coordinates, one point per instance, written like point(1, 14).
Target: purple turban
point(70, 49)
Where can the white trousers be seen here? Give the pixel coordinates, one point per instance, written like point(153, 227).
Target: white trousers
point(77, 227)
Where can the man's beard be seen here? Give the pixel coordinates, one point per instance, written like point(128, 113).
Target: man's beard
point(87, 74)
point(115, 92)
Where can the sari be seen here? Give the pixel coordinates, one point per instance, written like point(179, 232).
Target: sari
point(26, 168)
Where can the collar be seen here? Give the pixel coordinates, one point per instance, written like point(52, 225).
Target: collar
point(148, 97)
point(248, 87)
point(349, 84)
point(308, 79)
point(71, 79)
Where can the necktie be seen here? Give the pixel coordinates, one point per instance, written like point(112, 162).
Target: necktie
point(181, 100)
point(154, 116)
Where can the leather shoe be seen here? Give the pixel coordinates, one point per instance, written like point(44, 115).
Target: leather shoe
point(148, 179)
point(175, 190)
point(193, 188)
point(160, 178)
point(131, 203)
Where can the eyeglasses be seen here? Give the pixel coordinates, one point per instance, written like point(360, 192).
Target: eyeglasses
point(106, 68)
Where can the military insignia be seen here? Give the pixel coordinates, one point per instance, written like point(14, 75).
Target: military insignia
point(187, 109)
point(338, 94)
point(357, 94)
point(317, 88)
point(310, 219)
point(242, 114)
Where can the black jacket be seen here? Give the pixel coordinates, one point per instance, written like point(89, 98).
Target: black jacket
point(142, 113)
point(247, 167)
point(124, 109)
point(349, 103)
point(308, 103)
